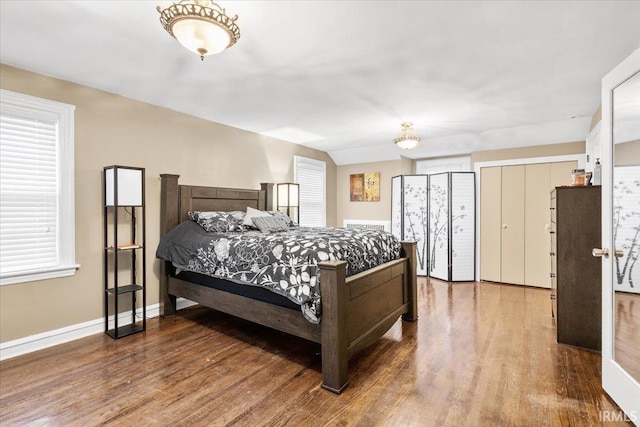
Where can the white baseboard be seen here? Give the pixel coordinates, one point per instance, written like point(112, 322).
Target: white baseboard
point(47, 339)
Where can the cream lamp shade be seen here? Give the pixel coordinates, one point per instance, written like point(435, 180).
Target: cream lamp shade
point(289, 199)
point(127, 181)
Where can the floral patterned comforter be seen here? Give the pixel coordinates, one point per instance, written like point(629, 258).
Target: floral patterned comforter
point(284, 262)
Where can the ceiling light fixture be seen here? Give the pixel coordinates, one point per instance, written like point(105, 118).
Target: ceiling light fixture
point(407, 140)
point(201, 26)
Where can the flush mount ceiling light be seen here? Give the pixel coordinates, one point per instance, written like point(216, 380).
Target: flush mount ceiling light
point(407, 140)
point(201, 26)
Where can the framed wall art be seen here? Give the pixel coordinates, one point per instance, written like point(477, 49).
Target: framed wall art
point(364, 187)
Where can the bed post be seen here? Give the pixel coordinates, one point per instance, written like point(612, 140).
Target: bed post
point(267, 187)
point(409, 249)
point(333, 325)
point(169, 218)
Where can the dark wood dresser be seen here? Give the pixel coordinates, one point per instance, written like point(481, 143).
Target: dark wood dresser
point(576, 276)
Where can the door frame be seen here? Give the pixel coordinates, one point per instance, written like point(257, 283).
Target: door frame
point(580, 158)
point(622, 387)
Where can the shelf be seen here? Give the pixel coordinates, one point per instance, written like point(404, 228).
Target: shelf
point(124, 248)
point(125, 289)
point(125, 330)
point(123, 187)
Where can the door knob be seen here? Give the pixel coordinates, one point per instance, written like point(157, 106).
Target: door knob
point(504, 225)
point(618, 253)
point(597, 252)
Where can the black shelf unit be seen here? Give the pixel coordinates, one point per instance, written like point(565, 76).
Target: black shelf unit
point(124, 197)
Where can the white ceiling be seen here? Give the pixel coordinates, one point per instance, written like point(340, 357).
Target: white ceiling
point(341, 76)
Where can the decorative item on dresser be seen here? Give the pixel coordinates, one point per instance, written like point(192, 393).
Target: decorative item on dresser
point(124, 193)
point(576, 277)
point(356, 310)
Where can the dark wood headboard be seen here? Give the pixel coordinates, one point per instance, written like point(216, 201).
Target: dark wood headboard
point(177, 200)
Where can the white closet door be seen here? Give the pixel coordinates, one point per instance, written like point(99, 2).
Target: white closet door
point(490, 223)
point(560, 173)
point(512, 259)
point(537, 225)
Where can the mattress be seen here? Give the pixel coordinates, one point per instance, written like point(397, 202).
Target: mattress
point(283, 262)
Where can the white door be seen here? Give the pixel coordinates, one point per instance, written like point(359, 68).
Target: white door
point(620, 133)
point(537, 224)
point(490, 224)
point(512, 243)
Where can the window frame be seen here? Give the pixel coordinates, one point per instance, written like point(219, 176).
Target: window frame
point(14, 101)
point(317, 163)
point(434, 166)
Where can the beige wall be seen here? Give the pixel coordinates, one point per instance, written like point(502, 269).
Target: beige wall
point(381, 210)
point(110, 129)
point(561, 149)
point(346, 209)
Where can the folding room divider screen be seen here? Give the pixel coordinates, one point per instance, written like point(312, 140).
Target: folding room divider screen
point(439, 212)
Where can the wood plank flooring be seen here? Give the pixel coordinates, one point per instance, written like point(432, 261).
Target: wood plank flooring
point(480, 355)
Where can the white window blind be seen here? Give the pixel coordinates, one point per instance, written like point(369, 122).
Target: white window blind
point(311, 175)
point(36, 193)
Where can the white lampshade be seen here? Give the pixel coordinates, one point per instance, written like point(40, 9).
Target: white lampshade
point(200, 36)
point(288, 194)
point(407, 144)
point(129, 186)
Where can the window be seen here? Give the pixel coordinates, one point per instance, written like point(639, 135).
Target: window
point(311, 175)
point(447, 164)
point(37, 226)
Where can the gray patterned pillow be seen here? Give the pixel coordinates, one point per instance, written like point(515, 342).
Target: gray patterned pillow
point(217, 222)
point(270, 224)
point(285, 217)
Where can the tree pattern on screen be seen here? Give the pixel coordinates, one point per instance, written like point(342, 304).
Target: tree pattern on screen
point(626, 229)
point(416, 225)
point(439, 222)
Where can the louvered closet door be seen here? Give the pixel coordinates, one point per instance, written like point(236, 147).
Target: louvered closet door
point(513, 209)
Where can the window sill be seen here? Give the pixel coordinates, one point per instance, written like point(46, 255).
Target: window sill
point(41, 274)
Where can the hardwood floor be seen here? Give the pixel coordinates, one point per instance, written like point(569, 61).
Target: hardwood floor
point(480, 355)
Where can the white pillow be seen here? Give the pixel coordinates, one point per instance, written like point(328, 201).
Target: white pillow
point(253, 213)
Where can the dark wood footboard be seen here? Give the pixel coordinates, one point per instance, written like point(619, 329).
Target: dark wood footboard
point(356, 310)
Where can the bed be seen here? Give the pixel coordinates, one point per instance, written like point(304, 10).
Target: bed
point(356, 310)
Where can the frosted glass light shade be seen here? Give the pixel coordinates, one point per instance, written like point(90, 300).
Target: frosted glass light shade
point(407, 140)
point(407, 144)
point(200, 36)
point(129, 186)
